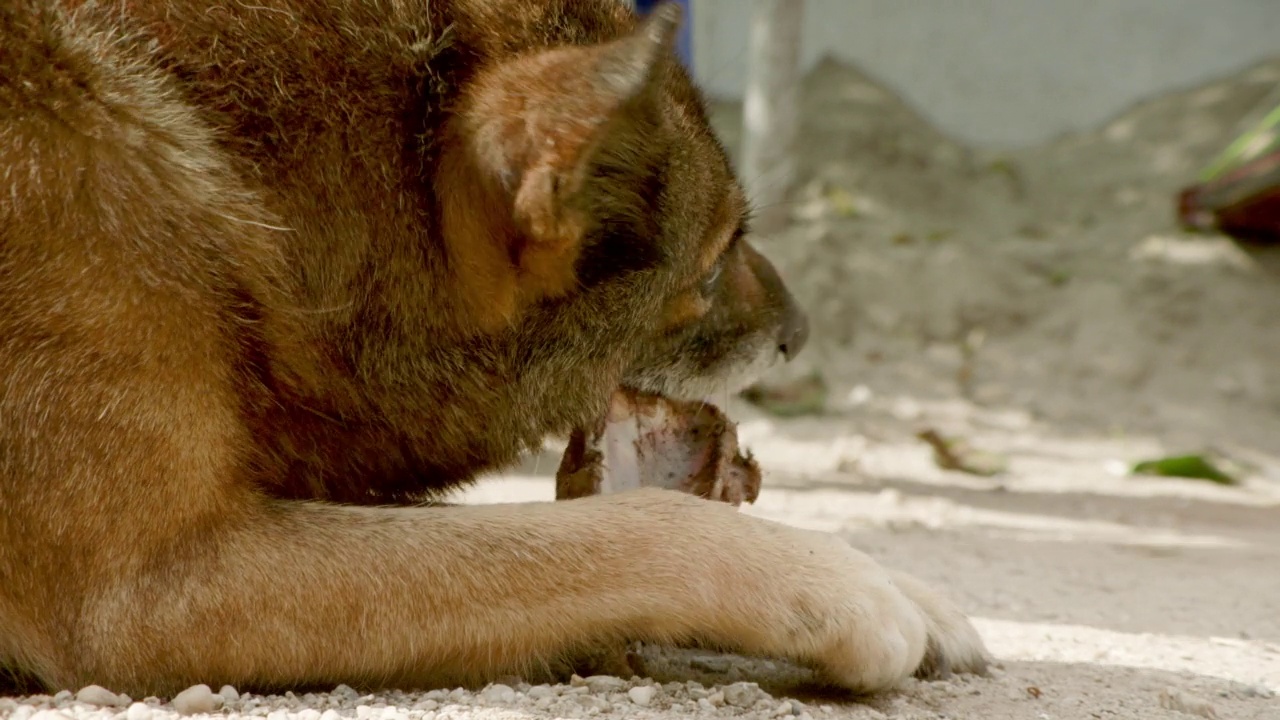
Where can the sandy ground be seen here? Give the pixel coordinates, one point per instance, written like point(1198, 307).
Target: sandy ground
point(1102, 596)
point(1041, 305)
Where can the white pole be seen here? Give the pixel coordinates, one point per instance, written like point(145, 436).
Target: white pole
point(770, 112)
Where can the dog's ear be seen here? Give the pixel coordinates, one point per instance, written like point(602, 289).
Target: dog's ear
point(531, 127)
point(569, 99)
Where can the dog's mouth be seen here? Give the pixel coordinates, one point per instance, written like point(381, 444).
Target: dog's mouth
point(649, 440)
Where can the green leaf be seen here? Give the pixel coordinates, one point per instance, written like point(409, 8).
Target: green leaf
point(1195, 467)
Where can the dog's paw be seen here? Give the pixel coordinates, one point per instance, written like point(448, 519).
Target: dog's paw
point(848, 618)
point(954, 645)
point(770, 589)
point(873, 628)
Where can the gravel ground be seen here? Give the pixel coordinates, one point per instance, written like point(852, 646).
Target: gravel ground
point(582, 697)
point(599, 696)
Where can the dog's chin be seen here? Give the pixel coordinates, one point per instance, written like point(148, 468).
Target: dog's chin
point(679, 381)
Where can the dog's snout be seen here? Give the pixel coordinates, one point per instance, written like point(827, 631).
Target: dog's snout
point(793, 333)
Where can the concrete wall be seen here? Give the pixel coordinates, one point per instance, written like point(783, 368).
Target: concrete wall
point(1009, 72)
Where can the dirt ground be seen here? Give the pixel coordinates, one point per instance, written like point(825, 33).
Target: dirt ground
point(1102, 596)
point(1042, 305)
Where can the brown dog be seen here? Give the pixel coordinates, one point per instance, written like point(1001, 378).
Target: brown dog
point(273, 272)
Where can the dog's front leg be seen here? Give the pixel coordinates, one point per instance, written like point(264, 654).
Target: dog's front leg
point(298, 594)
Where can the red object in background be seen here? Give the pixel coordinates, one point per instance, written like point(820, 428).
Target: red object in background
point(1243, 203)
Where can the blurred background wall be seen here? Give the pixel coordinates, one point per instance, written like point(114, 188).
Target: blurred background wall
point(1004, 73)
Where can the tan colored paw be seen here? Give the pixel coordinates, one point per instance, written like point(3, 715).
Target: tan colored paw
point(866, 634)
point(954, 645)
point(875, 627)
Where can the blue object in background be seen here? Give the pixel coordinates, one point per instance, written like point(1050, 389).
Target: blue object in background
point(684, 41)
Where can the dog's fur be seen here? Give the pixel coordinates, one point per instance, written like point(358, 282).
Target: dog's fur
point(272, 273)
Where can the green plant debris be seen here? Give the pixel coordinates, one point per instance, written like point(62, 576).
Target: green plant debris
point(804, 396)
point(1247, 146)
point(843, 202)
point(1194, 467)
point(1003, 166)
point(1006, 168)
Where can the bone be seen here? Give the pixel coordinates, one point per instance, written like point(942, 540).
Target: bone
point(651, 441)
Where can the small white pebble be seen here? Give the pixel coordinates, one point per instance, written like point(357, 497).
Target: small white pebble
point(641, 695)
point(196, 699)
point(742, 694)
point(605, 683)
point(62, 696)
point(50, 715)
point(229, 694)
point(1171, 699)
point(330, 715)
point(98, 695)
point(498, 694)
point(541, 691)
point(138, 711)
point(783, 709)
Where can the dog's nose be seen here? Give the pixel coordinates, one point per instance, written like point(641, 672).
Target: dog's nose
point(793, 334)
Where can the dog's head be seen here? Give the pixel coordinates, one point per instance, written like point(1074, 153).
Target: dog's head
point(615, 198)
